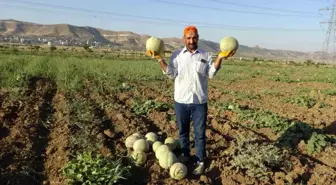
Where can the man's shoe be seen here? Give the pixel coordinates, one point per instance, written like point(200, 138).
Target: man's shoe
point(199, 169)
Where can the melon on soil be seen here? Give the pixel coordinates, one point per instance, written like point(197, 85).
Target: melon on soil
point(161, 151)
point(171, 143)
point(167, 160)
point(178, 171)
point(151, 138)
point(156, 145)
point(141, 145)
point(139, 158)
point(130, 140)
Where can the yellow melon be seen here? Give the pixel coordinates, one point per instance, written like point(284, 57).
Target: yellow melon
point(155, 44)
point(228, 44)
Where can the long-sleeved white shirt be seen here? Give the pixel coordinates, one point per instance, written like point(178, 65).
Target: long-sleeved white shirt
point(190, 72)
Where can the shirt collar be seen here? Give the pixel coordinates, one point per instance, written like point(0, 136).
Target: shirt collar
point(186, 50)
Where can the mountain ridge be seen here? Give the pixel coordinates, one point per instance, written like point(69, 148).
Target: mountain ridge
point(135, 41)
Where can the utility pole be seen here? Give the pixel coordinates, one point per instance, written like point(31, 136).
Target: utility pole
point(330, 41)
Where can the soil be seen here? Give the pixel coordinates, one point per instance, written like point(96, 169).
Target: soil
point(36, 127)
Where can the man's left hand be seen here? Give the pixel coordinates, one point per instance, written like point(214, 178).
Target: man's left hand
point(226, 55)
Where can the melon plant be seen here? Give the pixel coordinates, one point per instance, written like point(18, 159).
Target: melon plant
point(167, 160)
point(161, 151)
point(139, 158)
point(228, 44)
point(151, 138)
point(155, 44)
point(171, 143)
point(141, 145)
point(178, 171)
point(156, 145)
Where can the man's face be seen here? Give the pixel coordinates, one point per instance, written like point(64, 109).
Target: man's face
point(190, 40)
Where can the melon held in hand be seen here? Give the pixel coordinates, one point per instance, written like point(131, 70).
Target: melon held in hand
point(228, 45)
point(154, 44)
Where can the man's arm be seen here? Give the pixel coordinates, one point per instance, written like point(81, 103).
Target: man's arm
point(214, 67)
point(163, 64)
point(218, 63)
point(169, 69)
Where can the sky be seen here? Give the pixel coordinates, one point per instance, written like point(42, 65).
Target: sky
point(273, 24)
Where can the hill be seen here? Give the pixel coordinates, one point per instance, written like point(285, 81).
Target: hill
point(131, 40)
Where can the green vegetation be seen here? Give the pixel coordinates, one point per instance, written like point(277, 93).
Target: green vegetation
point(258, 159)
point(99, 87)
point(291, 132)
point(317, 143)
point(306, 101)
point(71, 74)
point(143, 108)
point(88, 168)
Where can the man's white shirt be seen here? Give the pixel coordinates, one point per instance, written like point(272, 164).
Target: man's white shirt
point(190, 72)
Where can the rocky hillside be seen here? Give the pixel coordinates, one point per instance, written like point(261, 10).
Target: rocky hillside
point(133, 40)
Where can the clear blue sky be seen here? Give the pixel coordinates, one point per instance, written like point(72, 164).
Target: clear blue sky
point(310, 38)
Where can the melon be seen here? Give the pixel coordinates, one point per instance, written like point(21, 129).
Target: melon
point(137, 134)
point(130, 140)
point(151, 138)
point(167, 160)
point(171, 143)
point(156, 145)
point(139, 158)
point(178, 171)
point(161, 151)
point(155, 44)
point(228, 44)
point(141, 145)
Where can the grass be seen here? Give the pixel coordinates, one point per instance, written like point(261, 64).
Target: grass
point(71, 73)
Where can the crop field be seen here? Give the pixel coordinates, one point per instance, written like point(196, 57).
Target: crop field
point(65, 119)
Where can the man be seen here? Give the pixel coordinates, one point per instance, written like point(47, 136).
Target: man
point(190, 67)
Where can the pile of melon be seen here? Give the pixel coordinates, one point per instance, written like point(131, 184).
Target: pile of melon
point(140, 146)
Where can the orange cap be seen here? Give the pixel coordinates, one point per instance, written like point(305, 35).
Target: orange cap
point(190, 29)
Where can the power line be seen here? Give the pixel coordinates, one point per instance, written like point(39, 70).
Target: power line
point(320, 1)
point(231, 10)
point(44, 10)
point(176, 3)
point(259, 7)
point(167, 21)
point(161, 21)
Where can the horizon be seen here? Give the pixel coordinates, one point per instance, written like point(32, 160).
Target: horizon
point(148, 34)
point(295, 30)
